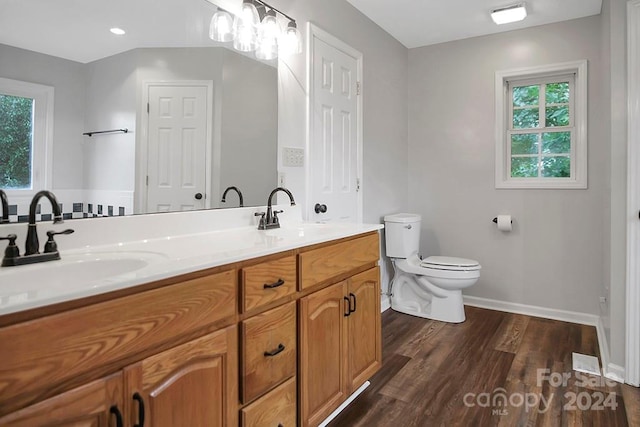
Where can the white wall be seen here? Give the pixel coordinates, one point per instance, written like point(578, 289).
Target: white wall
point(554, 258)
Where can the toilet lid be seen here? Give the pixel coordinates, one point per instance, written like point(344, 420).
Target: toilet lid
point(450, 263)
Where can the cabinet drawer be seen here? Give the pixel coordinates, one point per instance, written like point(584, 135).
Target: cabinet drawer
point(276, 408)
point(322, 264)
point(52, 351)
point(267, 282)
point(268, 351)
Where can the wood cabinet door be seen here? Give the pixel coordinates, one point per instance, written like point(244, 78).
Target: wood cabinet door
point(365, 336)
point(322, 353)
point(193, 384)
point(97, 404)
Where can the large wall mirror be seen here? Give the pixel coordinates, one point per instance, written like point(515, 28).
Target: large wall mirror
point(190, 117)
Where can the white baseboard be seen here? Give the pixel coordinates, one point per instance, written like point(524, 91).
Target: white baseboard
point(533, 310)
point(345, 404)
point(609, 370)
point(385, 303)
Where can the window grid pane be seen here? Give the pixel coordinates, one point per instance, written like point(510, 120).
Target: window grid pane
point(544, 107)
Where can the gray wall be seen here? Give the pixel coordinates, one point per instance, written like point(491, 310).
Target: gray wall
point(67, 78)
point(109, 159)
point(249, 129)
point(555, 257)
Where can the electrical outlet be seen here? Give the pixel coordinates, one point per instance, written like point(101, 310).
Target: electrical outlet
point(281, 179)
point(292, 157)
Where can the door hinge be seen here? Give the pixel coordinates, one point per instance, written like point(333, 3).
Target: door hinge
point(357, 88)
point(357, 184)
point(147, 181)
point(147, 108)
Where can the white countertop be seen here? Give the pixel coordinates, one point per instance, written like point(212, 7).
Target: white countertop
point(93, 270)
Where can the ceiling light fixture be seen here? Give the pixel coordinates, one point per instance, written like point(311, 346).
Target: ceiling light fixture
point(508, 14)
point(256, 29)
point(118, 31)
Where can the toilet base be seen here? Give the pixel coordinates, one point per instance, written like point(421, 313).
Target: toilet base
point(410, 296)
point(451, 312)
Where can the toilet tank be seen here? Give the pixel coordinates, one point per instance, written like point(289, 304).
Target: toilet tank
point(402, 234)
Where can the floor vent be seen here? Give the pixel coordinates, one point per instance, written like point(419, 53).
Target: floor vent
point(586, 364)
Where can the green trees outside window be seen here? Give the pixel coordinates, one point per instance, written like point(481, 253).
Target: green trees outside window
point(16, 137)
point(540, 140)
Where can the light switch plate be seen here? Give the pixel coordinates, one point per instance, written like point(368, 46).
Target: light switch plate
point(292, 157)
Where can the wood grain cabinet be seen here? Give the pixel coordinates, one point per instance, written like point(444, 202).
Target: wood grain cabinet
point(82, 367)
point(276, 341)
point(99, 403)
point(340, 343)
point(193, 384)
point(269, 350)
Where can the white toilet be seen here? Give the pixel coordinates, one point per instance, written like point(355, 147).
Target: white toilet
point(430, 287)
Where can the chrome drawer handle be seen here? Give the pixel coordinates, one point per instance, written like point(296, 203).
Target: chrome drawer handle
point(280, 282)
point(272, 353)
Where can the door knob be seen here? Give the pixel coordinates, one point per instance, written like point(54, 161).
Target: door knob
point(320, 208)
point(198, 196)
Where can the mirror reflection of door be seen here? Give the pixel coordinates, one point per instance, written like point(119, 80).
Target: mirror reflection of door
point(179, 119)
point(335, 155)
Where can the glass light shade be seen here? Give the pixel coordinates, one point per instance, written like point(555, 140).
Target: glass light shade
point(221, 27)
point(268, 33)
point(509, 14)
point(245, 28)
point(291, 40)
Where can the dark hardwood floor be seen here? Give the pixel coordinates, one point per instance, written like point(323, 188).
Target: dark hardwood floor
point(495, 369)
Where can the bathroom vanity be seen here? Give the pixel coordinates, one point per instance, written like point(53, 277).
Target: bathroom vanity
point(279, 332)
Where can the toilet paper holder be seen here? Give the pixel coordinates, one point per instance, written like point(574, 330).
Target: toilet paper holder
point(496, 220)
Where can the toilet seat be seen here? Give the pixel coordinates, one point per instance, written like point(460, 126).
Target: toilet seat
point(415, 265)
point(449, 264)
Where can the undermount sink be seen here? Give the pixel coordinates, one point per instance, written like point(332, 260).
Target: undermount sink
point(80, 268)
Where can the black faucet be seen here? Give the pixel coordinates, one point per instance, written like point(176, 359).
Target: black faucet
point(271, 220)
point(237, 191)
point(32, 246)
point(5, 207)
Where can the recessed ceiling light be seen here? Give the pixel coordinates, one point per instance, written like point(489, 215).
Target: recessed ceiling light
point(505, 15)
point(118, 31)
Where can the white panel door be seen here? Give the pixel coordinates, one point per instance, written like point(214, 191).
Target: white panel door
point(176, 169)
point(334, 178)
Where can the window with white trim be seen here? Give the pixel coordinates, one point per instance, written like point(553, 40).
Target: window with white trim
point(541, 127)
point(26, 120)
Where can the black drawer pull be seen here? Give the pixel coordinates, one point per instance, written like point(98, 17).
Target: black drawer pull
point(140, 400)
point(115, 411)
point(348, 313)
point(271, 353)
point(351, 310)
point(280, 282)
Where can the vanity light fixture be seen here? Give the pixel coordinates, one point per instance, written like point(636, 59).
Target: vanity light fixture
point(508, 14)
point(118, 31)
point(251, 33)
point(221, 27)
